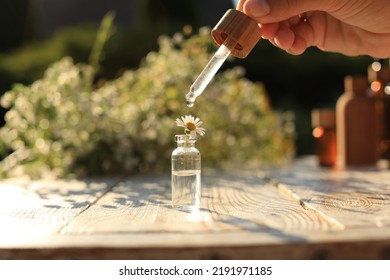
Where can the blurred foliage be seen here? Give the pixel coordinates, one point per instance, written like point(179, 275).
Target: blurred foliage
point(105, 32)
point(26, 64)
point(65, 123)
point(124, 50)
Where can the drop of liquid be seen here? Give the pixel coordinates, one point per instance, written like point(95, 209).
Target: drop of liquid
point(190, 104)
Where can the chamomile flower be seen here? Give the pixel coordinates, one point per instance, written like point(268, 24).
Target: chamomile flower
point(192, 126)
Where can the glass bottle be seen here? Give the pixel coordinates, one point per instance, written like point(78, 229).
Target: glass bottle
point(356, 125)
point(324, 132)
point(186, 174)
point(379, 77)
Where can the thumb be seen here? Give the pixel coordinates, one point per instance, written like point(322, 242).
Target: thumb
point(267, 11)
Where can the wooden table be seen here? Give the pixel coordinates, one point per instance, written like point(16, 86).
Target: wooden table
point(297, 212)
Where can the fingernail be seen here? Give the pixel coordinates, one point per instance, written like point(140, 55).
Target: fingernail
point(257, 8)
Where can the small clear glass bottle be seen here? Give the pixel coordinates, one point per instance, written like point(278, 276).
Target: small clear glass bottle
point(186, 174)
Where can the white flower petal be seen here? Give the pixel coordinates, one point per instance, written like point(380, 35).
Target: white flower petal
point(196, 122)
point(179, 122)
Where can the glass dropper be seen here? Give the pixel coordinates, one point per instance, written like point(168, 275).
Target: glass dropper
point(209, 71)
point(236, 33)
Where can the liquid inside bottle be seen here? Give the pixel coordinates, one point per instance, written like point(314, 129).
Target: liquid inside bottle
point(186, 189)
point(186, 174)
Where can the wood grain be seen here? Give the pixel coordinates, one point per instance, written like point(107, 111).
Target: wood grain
point(354, 198)
point(230, 203)
point(298, 212)
point(32, 210)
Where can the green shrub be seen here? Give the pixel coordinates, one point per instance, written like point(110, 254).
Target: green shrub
point(65, 124)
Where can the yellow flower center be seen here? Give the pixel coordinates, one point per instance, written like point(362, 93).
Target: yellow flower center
point(191, 126)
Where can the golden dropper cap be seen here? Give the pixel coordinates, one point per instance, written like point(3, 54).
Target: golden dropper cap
point(241, 29)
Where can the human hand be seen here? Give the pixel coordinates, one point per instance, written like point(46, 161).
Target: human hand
point(350, 27)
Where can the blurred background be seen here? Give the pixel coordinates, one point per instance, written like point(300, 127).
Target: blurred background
point(35, 33)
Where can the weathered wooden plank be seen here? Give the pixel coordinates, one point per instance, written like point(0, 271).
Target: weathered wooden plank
point(227, 245)
point(30, 210)
point(304, 213)
point(353, 197)
point(248, 200)
point(230, 203)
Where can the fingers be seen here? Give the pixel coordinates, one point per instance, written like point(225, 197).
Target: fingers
point(256, 8)
point(304, 37)
point(240, 5)
point(282, 21)
point(294, 35)
point(344, 26)
point(268, 11)
point(284, 37)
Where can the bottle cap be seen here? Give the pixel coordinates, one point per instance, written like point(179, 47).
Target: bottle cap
point(241, 29)
point(324, 117)
point(356, 84)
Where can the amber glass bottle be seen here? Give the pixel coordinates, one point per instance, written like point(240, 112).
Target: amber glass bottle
point(356, 125)
point(324, 133)
point(379, 78)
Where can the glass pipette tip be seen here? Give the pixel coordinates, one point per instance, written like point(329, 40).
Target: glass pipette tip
point(207, 74)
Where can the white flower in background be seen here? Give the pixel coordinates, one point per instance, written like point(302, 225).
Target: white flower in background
point(192, 126)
